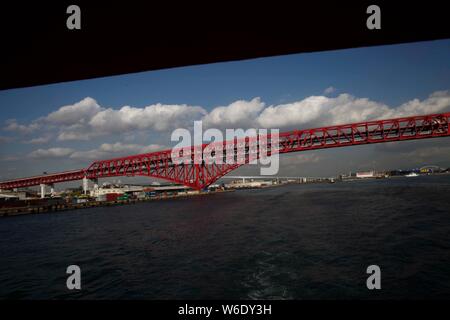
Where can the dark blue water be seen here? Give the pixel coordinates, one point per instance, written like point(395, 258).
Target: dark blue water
point(289, 242)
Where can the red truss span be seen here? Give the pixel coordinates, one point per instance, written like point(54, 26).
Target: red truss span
point(200, 174)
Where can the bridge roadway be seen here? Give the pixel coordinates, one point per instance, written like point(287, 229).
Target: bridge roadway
point(199, 175)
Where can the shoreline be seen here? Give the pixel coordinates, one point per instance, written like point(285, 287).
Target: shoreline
point(19, 211)
point(50, 208)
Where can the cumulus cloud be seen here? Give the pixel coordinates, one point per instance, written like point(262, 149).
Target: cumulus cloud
point(98, 121)
point(156, 117)
point(438, 101)
point(86, 119)
point(240, 113)
point(78, 132)
point(69, 115)
point(321, 110)
point(292, 113)
point(345, 108)
point(80, 112)
point(13, 126)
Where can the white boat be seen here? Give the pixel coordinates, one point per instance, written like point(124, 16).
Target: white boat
point(412, 174)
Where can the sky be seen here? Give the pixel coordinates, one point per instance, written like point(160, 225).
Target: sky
point(68, 125)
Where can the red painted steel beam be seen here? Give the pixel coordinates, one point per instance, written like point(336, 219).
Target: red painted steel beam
point(159, 164)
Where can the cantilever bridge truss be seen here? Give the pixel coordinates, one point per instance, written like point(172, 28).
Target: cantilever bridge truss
point(200, 174)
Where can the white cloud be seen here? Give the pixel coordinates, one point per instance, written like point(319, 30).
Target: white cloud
point(156, 117)
point(77, 132)
point(13, 126)
point(240, 113)
point(438, 101)
point(86, 120)
point(51, 153)
point(295, 113)
point(345, 108)
point(321, 110)
point(80, 112)
point(76, 114)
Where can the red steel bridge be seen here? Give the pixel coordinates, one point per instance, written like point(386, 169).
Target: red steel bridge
point(200, 175)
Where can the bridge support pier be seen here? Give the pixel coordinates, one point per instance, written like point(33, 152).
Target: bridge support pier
point(42, 185)
point(43, 191)
point(86, 184)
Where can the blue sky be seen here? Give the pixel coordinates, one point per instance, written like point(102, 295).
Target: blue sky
point(391, 74)
point(385, 75)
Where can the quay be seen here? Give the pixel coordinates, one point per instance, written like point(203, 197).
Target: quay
point(16, 211)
